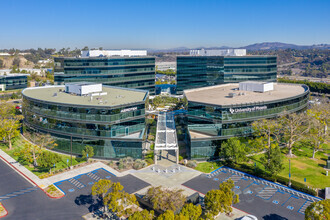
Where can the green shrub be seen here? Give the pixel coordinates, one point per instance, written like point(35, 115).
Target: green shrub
point(121, 165)
point(149, 161)
point(138, 164)
point(192, 163)
point(180, 158)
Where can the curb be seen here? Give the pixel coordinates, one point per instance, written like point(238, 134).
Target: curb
point(5, 211)
point(50, 196)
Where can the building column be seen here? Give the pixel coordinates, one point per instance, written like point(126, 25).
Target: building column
point(155, 156)
point(177, 156)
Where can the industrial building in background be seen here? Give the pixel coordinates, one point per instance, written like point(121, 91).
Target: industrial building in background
point(214, 67)
point(123, 68)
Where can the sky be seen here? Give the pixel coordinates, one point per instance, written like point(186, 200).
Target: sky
point(141, 24)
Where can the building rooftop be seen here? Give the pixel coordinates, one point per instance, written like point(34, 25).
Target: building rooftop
point(219, 52)
point(115, 96)
point(219, 95)
point(13, 75)
point(110, 53)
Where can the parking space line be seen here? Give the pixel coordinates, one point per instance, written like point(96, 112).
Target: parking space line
point(76, 183)
point(227, 178)
point(93, 176)
point(267, 192)
point(304, 207)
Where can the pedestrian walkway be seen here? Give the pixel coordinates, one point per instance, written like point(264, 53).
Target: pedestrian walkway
point(166, 137)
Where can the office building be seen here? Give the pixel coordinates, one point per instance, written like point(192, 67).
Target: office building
point(214, 67)
point(13, 81)
point(123, 68)
point(110, 119)
point(219, 112)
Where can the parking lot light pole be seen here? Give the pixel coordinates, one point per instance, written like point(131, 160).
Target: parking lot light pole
point(71, 149)
point(289, 172)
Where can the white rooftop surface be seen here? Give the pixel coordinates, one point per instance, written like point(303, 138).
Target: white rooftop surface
point(115, 96)
point(219, 95)
point(109, 53)
point(220, 52)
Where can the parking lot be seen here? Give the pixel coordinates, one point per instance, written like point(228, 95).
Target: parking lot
point(83, 183)
point(257, 196)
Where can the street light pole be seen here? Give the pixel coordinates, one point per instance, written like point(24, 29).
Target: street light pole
point(289, 172)
point(71, 149)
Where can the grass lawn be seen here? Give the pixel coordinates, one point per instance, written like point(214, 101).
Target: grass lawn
point(302, 166)
point(207, 167)
point(19, 143)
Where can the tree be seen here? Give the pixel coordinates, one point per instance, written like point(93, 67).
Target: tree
point(29, 153)
point(318, 210)
point(267, 132)
point(294, 129)
point(101, 188)
point(118, 200)
point(47, 159)
point(41, 139)
point(113, 197)
point(88, 152)
point(318, 133)
point(165, 199)
point(191, 211)
point(144, 214)
point(167, 215)
point(9, 123)
point(39, 142)
point(9, 130)
point(233, 150)
point(273, 161)
point(221, 200)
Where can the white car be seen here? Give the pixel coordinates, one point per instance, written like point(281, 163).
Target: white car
point(249, 217)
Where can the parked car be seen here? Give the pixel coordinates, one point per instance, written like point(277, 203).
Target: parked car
point(249, 217)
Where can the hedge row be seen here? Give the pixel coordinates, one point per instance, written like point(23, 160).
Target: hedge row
point(313, 86)
point(283, 180)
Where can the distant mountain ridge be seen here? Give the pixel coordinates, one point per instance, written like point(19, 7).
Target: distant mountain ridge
point(256, 46)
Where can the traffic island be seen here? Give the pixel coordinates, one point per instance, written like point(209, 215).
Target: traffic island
point(53, 192)
point(3, 211)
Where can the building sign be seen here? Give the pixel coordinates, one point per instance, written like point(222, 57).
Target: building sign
point(128, 109)
point(248, 109)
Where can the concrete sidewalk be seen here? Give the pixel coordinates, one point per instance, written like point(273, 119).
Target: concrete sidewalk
point(42, 183)
point(85, 169)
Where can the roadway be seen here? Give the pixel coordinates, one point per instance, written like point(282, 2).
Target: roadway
point(23, 200)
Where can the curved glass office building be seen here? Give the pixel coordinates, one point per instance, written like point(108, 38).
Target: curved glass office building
point(110, 119)
point(219, 112)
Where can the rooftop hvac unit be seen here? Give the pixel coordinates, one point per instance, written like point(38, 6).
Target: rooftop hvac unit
point(232, 95)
